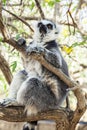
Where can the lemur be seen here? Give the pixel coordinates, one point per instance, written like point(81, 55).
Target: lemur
point(37, 88)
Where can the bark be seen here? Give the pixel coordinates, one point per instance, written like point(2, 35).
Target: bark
point(16, 114)
point(4, 66)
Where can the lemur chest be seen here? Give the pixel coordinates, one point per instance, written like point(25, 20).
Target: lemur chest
point(33, 67)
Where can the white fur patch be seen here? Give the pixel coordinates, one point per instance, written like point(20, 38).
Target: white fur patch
point(31, 110)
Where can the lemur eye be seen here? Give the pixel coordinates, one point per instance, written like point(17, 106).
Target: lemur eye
point(50, 26)
point(39, 24)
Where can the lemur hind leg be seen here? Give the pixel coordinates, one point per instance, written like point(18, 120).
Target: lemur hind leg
point(35, 96)
point(18, 79)
point(9, 102)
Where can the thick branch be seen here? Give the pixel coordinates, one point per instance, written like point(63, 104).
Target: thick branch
point(5, 69)
point(16, 113)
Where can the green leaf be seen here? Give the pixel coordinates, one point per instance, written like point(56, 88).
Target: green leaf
point(4, 1)
point(5, 87)
point(32, 5)
point(51, 3)
point(83, 42)
point(14, 65)
point(75, 44)
point(1, 39)
point(57, 0)
point(17, 36)
point(79, 44)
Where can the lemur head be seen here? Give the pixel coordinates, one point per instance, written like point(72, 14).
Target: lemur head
point(45, 31)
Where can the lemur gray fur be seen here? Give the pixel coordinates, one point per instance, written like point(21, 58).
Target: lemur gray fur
point(37, 88)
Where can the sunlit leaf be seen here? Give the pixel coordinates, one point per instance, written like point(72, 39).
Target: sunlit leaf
point(47, 1)
point(67, 49)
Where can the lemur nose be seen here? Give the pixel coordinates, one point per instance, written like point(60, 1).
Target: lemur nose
point(43, 29)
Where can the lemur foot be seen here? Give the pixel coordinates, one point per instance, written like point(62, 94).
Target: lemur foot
point(38, 50)
point(8, 102)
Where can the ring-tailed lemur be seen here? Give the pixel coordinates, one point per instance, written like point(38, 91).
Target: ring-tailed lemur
point(37, 88)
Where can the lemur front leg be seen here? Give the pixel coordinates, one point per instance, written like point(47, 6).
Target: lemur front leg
point(16, 83)
point(21, 41)
point(52, 57)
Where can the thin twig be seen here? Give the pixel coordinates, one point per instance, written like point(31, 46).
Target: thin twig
point(68, 24)
point(72, 20)
point(23, 17)
point(40, 9)
point(19, 19)
point(68, 12)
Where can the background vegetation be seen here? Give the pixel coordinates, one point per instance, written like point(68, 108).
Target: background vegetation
point(71, 17)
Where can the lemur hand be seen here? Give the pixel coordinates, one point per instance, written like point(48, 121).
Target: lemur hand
point(21, 41)
point(38, 50)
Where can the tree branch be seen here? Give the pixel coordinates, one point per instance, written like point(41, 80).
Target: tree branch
point(23, 17)
point(40, 9)
point(16, 114)
point(5, 69)
point(19, 18)
point(2, 26)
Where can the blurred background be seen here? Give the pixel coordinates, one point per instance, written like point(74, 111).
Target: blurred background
point(71, 18)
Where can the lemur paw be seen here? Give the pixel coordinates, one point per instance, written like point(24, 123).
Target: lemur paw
point(21, 41)
point(38, 50)
point(8, 102)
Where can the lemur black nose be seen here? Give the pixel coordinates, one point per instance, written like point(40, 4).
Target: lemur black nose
point(43, 29)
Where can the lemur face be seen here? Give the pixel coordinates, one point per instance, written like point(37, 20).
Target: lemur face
point(45, 31)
